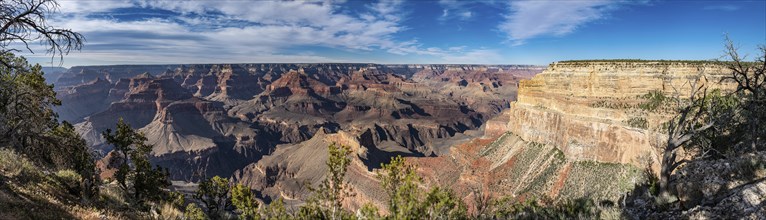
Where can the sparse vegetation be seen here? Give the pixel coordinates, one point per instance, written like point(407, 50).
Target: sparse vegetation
point(193, 212)
point(640, 61)
point(582, 208)
point(653, 100)
point(587, 179)
point(638, 122)
point(610, 104)
point(13, 164)
point(492, 147)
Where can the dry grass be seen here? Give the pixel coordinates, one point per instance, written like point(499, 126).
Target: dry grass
point(169, 212)
point(27, 192)
point(14, 165)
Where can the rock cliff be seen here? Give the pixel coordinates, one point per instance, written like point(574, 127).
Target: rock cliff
point(589, 110)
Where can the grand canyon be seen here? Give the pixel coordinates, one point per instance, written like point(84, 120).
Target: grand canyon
point(382, 110)
point(563, 131)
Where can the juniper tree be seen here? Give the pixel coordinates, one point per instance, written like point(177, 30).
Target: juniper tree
point(400, 183)
point(135, 172)
point(326, 201)
point(243, 199)
point(214, 195)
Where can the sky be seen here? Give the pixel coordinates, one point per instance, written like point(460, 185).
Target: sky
point(392, 31)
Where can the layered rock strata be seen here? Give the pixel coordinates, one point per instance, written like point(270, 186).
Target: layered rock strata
point(589, 109)
point(213, 119)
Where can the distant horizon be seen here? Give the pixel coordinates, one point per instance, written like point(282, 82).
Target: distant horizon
point(372, 63)
point(395, 31)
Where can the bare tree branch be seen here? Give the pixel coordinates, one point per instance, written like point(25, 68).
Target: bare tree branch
point(26, 21)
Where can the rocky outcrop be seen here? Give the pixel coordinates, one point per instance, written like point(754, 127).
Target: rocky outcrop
point(286, 173)
point(727, 188)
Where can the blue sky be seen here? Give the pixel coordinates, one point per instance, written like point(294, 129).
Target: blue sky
point(439, 31)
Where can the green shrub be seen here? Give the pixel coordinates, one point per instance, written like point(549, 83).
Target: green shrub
point(176, 199)
point(70, 180)
point(638, 122)
point(193, 212)
point(326, 201)
point(276, 211)
point(369, 212)
point(400, 182)
point(653, 100)
point(583, 208)
point(443, 204)
point(243, 199)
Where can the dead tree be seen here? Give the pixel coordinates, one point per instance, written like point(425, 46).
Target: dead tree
point(751, 91)
point(696, 114)
point(690, 121)
point(26, 21)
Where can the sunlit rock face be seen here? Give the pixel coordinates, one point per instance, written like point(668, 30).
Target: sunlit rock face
point(589, 109)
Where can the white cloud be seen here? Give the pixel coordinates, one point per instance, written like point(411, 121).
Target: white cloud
point(91, 6)
point(478, 56)
point(216, 30)
point(458, 9)
point(201, 31)
point(530, 19)
point(466, 15)
point(722, 7)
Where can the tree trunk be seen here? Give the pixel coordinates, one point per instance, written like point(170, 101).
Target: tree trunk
point(668, 160)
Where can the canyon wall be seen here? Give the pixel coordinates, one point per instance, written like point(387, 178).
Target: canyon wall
point(592, 110)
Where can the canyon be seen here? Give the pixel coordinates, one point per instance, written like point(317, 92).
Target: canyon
point(571, 130)
point(569, 135)
point(216, 119)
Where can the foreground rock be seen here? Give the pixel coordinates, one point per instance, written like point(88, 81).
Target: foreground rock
point(733, 188)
